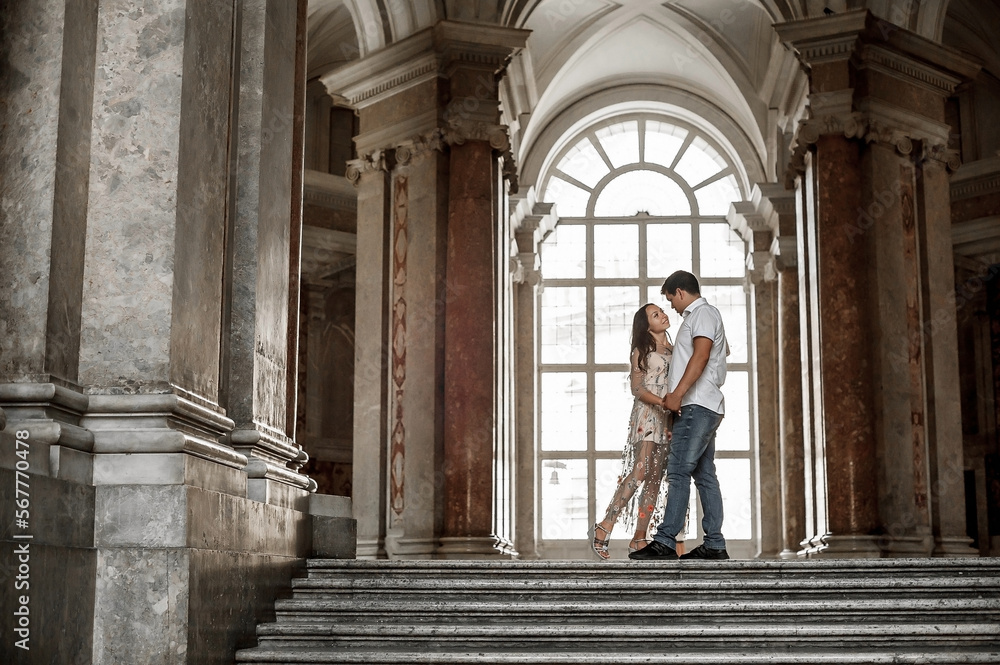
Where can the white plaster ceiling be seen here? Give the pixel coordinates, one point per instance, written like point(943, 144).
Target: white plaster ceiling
point(717, 49)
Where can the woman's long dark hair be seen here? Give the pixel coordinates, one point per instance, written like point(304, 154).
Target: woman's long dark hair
point(641, 338)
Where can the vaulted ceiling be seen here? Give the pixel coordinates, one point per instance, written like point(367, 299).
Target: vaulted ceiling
point(722, 53)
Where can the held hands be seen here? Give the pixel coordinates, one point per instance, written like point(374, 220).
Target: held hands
point(672, 402)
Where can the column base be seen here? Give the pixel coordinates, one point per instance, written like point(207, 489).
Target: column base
point(896, 547)
point(398, 546)
point(471, 547)
point(370, 549)
point(845, 547)
point(958, 547)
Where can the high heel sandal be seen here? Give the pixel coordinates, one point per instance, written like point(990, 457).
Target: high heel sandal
point(599, 546)
point(644, 541)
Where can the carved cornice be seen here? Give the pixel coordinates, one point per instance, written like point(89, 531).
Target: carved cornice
point(328, 191)
point(435, 51)
point(905, 68)
point(978, 178)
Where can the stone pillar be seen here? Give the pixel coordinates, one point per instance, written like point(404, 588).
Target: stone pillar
point(262, 244)
point(791, 425)
point(417, 300)
point(371, 354)
point(940, 371)
point(470, 381)
point(532, 222)
point(755, 221)
point(878, 284)
point(439, 207)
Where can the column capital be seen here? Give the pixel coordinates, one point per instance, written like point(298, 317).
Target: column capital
point(366, 164)
point(419, 146)
point(859, 67)
point(780, 202)
point(461, 129)
point(531, 222)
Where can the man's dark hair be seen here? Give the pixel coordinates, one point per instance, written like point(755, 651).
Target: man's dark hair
point(681, 280)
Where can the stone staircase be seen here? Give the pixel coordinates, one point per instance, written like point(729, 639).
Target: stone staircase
point(808, 611)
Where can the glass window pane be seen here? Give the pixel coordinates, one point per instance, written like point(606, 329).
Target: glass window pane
point(732, 304)
point(564, 252)
point(564, 324)
point(668, 248)
point(614, 307)
point(737, 506)
point(616, 250)
point(584, 163)
point(620, 142)
point(613, 406)
point(564, 411)
point(662, 142)
point(723, 253)
point(715, 198)
point(700, 162)
point(570, 200)
point(608, 471)
point(734, 432)
point(642, 191)
point(564, 499)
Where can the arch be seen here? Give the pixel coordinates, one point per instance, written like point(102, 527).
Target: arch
point(539, 152)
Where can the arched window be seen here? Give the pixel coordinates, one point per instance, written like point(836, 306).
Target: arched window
point(638, 197)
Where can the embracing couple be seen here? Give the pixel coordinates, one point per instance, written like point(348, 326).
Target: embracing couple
point(678, 408)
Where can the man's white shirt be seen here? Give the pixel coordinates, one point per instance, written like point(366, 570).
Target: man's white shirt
point(701, 320)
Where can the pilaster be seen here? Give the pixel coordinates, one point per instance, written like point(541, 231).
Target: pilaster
point(532, 221)
point(259, 262)
point(791, 425)
point(756, 223)
point(371, 352)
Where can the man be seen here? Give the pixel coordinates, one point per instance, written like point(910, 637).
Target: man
point(694, 382)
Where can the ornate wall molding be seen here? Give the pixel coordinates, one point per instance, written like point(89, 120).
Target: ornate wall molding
point(905, 68)
point(397, 444)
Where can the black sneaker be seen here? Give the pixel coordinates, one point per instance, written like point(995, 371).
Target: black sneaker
point(655, 551)
point(702, 552)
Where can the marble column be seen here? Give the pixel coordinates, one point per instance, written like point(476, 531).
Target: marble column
point(417, 296)
point(371, 353)
point(532, 222)
point(940, 371)
point(261, 244)
point(791, 425)
point(470, 381)
point(755, 221)
point(48, 85)
point(878, 283)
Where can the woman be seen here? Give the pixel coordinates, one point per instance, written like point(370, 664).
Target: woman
point(645, 456)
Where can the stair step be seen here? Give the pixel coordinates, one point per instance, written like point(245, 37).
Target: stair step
point(602, 656)
point(561, 612)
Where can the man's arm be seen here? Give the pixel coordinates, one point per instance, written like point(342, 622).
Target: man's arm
point(695, 367)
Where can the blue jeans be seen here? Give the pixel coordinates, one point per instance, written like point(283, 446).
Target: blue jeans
point(692, 455)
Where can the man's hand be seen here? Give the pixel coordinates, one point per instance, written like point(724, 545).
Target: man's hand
point(672, 402)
